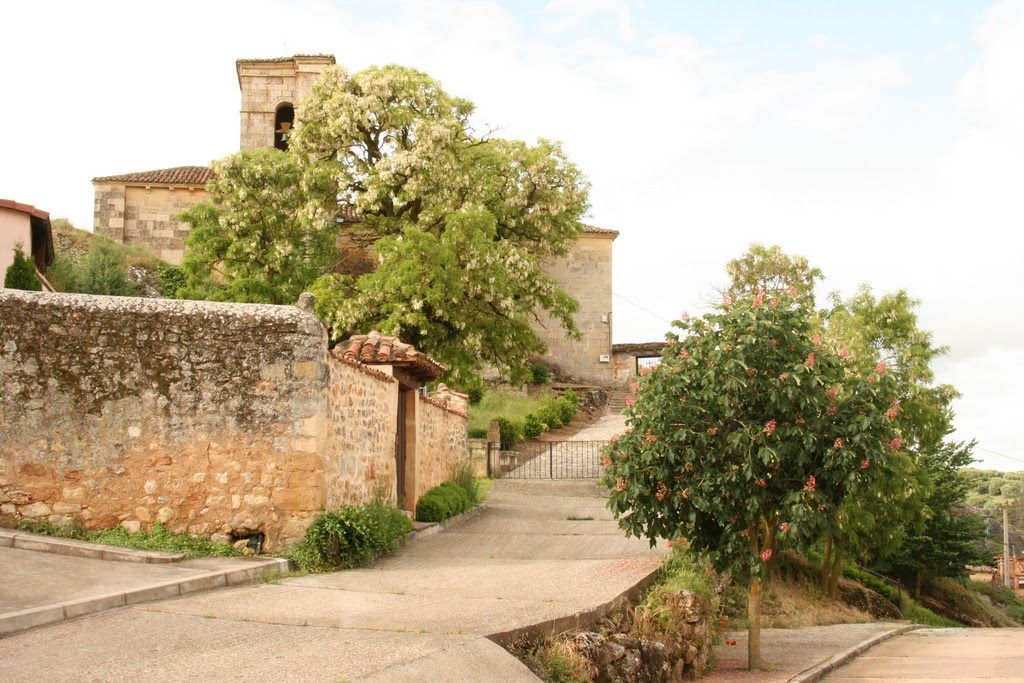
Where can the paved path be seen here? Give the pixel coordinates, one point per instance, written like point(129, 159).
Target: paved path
point(787, 652)
point(955, 654)
point(421, 615)
point(577, 457)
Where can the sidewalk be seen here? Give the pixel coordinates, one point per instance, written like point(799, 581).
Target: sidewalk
point(423, 615)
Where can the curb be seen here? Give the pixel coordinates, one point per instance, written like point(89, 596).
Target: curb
point(437, 527)
point(819, 671)
point(13, 622)
point(24, 540)
point(583, 619)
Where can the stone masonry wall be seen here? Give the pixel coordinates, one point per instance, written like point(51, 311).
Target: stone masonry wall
point(586, 274)
point(146, 216)
point(440, 443)
point(209, 418)
point(359, 434)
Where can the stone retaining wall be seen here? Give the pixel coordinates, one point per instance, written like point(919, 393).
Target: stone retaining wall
point(209, 418)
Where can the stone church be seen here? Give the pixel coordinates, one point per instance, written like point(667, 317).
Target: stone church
point(141, 208)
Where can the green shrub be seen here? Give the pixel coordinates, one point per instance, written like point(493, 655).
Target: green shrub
point(550, 415)
point(477, 432)
point(539, 373)
point(571, 396)
point(511, 432)
point(159, 538)
point(61, 274)
point(464, 476)
point(103, 271)
point(566, 409)
point(874, 583)
point(171, 279)
point(350, 536)
point(476, 394)
point(442, 502)
point(21, 274)
point(532, 426)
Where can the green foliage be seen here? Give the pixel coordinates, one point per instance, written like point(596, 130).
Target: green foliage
point(532, 426)
point(511, 432)
point(475, 394)
point(571, 397)
point(991, 489)
point(566, 409)
point(771, 270)
point(550, 414)
point(539, 373)
point(172, 280)
point(460, 223)
point(258, 240)
point(442, 502)
point(750, 428)
point(350, 536)
point(21, 274)
point(918, 614)
point(477, 432)
point(1002, 597)
point(157, 538)
point(103, 271)
point(464, 476)
point(876, 584)
point(61, 273)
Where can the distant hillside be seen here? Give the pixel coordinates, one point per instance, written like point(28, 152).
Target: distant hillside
point(993, 489)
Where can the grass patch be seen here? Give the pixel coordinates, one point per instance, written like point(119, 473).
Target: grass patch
point(562, 664)
point(917, 613)
point(512, 405)
point(158, 538)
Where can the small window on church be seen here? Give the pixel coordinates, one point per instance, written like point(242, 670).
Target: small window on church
point(283, 121)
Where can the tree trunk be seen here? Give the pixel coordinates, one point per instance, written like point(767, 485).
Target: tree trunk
point(754, 625)
point(837, 570)
point(826, 564)
point(919, 579)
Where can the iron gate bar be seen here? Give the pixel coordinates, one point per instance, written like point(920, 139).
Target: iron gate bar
point(550, 460)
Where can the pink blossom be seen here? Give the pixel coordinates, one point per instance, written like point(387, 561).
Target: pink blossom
point(713, 431)
point(769, 427)
point(766, 555)
point(881, 367)
point(838, 445)
point(784, 376)
point(684, 354)
point(775, 302)
point(865, 463)
point(620, 484)
point(761, 482)
point(832, 392)
point(630, 401)
point(686, 492)
point(844, 353)
point(775, 342)
point(893, 412)
point(784, 527)
point(685, 316)
point(791, 290)
point(896, 443)
point(758, 299)
point(810, 360)
point(606, 461)
point(872, 378)
point(816, 340)
point(636, 387)
point(812, 484)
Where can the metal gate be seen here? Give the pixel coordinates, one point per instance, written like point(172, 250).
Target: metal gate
point(547, 460)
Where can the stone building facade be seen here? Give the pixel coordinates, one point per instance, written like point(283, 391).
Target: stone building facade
point(140, 208)
point(210, 418)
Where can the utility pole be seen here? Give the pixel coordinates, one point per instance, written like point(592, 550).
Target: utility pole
point(1006, 548)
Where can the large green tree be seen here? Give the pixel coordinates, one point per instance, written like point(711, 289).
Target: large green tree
point(751, 427)
point(459, 222)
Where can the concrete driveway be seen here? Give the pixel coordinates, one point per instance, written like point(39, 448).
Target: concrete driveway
point(953, 654)
point(424, 614)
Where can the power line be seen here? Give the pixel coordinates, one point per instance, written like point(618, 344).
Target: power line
point(1001, 455)
point(645, 310)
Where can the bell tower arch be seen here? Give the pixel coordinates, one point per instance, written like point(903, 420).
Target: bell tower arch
point(271, 90)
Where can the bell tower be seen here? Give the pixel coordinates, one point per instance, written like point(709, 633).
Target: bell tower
point(271, 91)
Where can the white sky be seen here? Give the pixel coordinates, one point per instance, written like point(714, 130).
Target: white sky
point(884, 141)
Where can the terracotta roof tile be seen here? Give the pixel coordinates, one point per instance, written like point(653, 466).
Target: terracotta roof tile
point(377, 349)
point(24, 208)
point(179, 175)
point(594, 230)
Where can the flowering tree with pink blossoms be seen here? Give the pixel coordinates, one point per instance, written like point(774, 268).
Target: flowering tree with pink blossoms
point(750, 429)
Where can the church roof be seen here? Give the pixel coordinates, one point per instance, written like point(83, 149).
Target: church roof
point(594, 230)
point(179, 175)
point(377, 349)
